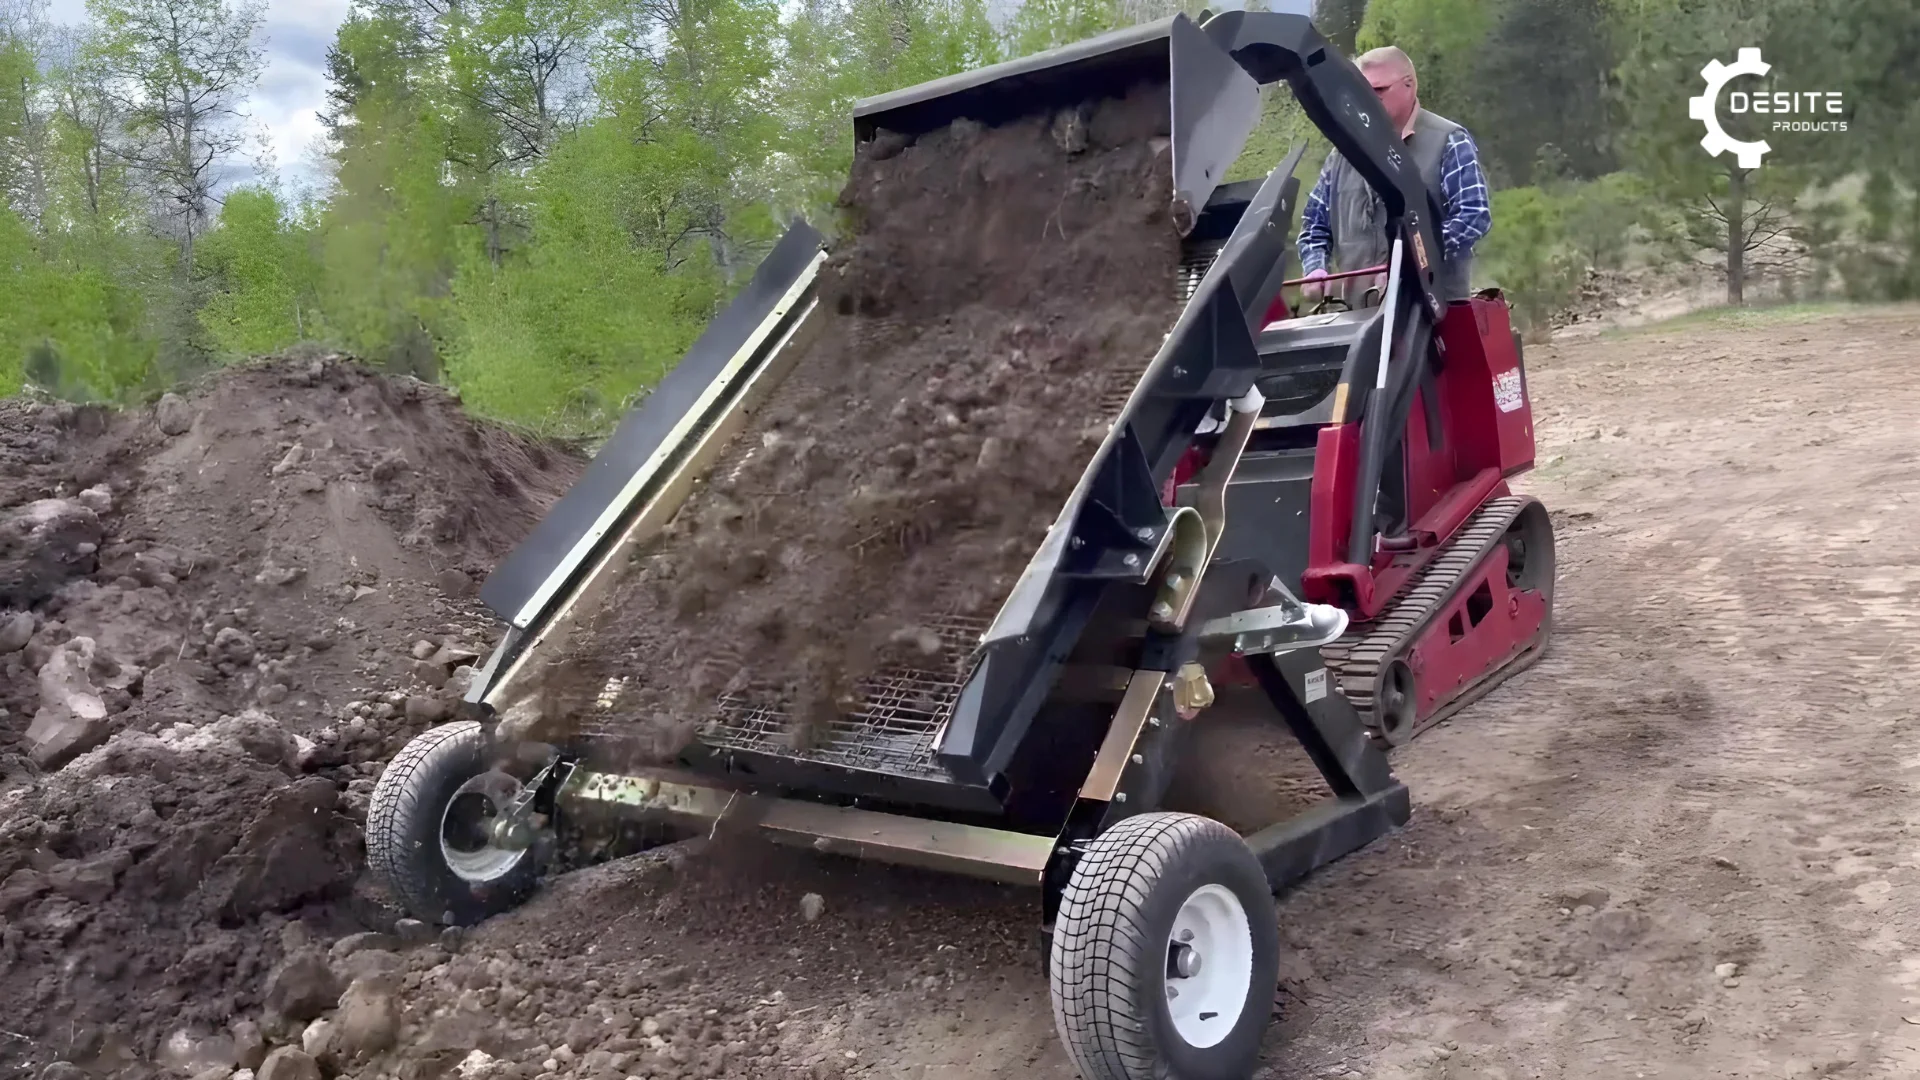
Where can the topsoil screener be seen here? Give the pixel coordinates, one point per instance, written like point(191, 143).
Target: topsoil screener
point(1297, 527)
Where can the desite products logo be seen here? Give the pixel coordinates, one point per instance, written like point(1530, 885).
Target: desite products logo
point(1798, 111)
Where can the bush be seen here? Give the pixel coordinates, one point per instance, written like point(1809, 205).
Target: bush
point(1527, 255)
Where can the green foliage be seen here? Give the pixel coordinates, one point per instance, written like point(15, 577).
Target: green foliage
point(1528, 255)
point(543, 202)
point(1601, 217)
point(70, 330)
point(1443, 38)
point(562, 333)
point(262, 273)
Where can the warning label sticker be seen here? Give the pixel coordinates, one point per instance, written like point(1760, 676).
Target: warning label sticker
point(1316, 684)
point(1509, 391)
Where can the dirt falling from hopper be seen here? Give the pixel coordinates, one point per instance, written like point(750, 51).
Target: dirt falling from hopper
point(1000, 284)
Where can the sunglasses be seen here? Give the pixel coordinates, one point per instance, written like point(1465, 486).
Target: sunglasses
point(1381, 88)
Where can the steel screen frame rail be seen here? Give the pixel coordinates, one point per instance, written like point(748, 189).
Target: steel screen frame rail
point(646, 469)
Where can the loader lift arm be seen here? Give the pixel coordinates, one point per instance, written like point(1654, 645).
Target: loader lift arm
point(1378, 381)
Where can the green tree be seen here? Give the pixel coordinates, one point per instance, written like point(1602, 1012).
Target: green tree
point(391, 234)
point(1442, 37)
point(1528, 256)
point(1541, 79)
point(262, 275)
point(183, 69)
point(1734, 211)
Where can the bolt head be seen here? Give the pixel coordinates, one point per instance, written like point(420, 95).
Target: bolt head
point(1131, 560)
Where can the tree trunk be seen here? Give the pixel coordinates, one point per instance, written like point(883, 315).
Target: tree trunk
point(1340, 20)
point(1736, 215)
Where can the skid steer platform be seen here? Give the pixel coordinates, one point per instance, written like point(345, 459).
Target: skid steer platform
point(1302, 520)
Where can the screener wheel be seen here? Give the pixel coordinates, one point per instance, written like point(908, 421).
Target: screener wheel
point(429, 834)
point(1165, 953)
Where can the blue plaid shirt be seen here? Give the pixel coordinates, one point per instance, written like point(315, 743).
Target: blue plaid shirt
point(1462, 185)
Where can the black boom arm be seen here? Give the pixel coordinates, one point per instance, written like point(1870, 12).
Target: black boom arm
point(1276, 45)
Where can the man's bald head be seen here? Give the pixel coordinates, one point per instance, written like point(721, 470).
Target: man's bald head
point(1390, 71)
point(1387, 60)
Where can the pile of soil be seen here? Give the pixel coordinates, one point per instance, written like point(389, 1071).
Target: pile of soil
point(999, 285)
point(219, 617)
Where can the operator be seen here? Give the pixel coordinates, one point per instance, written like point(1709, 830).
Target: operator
point(1345, 215)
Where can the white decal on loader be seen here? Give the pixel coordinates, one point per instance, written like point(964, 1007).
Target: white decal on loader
point(1316, 684)
point(1509, 391)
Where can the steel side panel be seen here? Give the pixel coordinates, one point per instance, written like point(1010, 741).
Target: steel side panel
point(520, 576)
point(1215, 107)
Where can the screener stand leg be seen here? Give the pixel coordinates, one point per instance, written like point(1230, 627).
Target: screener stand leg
point(1366, 803)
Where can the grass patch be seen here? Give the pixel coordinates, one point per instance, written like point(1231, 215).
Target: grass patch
point(1753, 317)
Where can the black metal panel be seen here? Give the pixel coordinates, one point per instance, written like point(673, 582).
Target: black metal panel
point(1123, 516)
point(1010, 683)
point(1215, 106)
point(521, 574)
point(782, 774)
point(1267, 513)
point(1254, 261)
point(1084, 70)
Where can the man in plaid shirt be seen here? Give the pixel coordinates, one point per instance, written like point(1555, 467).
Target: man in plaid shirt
point(1344, 219)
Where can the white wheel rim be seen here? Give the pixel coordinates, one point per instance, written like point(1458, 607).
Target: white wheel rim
point(1209, 969)
point(476, 858)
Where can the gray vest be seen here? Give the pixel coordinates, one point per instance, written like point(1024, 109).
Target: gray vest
point(1359, 218)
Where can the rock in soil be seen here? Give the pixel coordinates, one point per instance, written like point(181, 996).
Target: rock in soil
point(301, 988)
point(43, 545)
point(15, 631)
point(288, 1063)
point(172, 415)
point(369, 1018)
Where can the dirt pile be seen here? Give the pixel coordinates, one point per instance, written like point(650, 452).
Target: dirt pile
point(1001, 289)
point(218, 617)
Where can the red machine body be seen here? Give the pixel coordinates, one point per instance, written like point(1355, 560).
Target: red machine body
point(1462, 597)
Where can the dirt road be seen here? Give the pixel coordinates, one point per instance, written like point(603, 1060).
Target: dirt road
point(1713, 766)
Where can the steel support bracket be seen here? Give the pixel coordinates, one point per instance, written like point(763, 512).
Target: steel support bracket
point(1278, 628)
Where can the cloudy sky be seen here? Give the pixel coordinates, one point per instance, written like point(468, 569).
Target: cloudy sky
point(292, 88)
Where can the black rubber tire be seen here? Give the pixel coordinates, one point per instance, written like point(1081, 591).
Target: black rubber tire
point(403, 831)
point(1107, 962)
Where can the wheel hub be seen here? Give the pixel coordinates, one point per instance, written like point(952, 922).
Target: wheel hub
point(1209, 965)
point(471, 828)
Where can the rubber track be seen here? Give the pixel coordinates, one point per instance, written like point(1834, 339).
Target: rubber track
point(1102, 957)
point(392, 805)
point(1357, 658)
